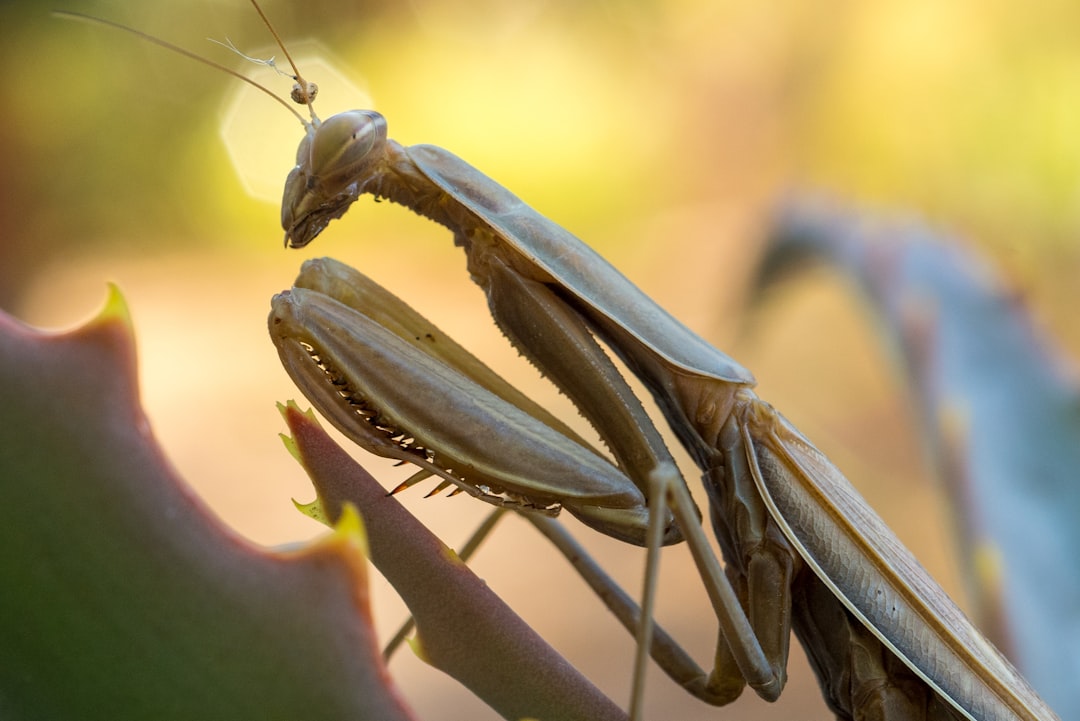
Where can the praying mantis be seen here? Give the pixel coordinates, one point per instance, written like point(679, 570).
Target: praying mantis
point(803, 551)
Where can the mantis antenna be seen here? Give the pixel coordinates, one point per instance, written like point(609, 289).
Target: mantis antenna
point(303, 93)
point(300, 96)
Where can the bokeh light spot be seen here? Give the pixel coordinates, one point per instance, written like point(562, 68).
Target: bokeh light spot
point(261, 137)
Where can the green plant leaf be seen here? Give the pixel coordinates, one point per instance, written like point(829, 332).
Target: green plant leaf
point(121, 596)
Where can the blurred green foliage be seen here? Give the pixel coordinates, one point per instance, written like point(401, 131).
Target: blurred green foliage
point(593, 111)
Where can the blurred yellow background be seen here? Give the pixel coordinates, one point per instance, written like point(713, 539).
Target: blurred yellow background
point(661, 132)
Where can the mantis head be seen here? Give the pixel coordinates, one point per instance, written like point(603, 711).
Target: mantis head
point(334, 159)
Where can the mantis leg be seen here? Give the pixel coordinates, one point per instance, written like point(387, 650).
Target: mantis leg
point(739, 659)
point(665, 650)
point(557, 341)
point(749, 659)
point(719, 687)
point(761, 561)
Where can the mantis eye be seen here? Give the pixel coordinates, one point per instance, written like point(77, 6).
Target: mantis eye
point(345, 141)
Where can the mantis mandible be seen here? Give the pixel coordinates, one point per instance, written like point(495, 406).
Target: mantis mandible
point(803, 550)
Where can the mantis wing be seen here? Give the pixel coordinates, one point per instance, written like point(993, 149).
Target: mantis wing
point(866, 566)
point(598, 289)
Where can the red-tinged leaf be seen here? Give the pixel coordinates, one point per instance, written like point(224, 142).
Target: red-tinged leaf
point(464, 629)
point(121, 596)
